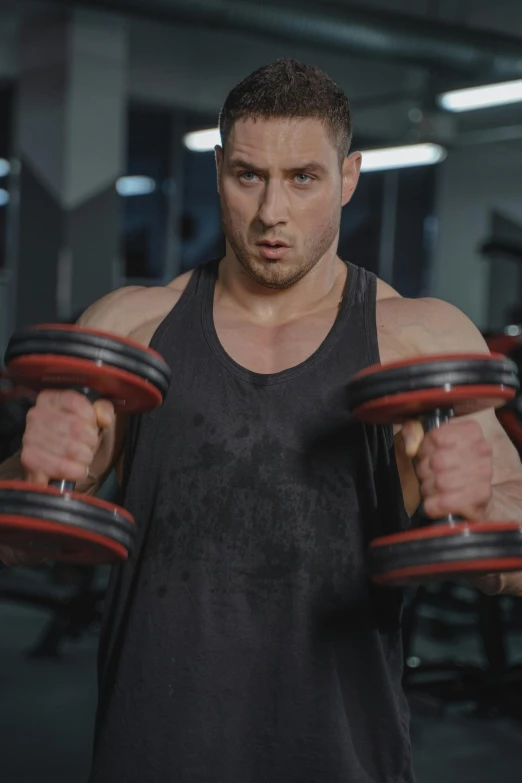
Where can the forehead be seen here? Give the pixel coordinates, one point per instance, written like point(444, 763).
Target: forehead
point(279, 139)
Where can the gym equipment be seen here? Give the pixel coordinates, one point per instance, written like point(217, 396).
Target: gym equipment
point(434, 389)
point(70, 526)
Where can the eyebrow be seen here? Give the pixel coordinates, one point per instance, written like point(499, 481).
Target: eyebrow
point(312, 166)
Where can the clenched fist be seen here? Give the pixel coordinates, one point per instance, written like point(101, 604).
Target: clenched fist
point(454, 466)
point(62, 436)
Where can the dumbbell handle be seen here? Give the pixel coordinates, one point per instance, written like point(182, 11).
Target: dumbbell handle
point(63, 484)
point(430, 421)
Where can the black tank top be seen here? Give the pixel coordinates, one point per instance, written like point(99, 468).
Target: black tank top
point(243, 641)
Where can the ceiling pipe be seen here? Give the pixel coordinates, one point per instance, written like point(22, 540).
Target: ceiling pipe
point(467, 52)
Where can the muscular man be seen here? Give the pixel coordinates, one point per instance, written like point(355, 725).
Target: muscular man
point(243, 641)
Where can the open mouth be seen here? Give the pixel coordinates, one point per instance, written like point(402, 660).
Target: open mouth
point(273, 251)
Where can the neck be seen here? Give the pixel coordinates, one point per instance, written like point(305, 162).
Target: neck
point(320, 288)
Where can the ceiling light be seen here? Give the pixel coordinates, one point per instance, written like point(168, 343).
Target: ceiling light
point(135, 186)
point(373, 160)
point(482, 97)
point(203, 140)
point(5, 167)
point(4, 197)
point(402, 157)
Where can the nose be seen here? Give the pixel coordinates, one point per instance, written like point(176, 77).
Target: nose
point(273, 209)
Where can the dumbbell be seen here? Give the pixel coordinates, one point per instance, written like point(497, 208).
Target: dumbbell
point(434, 389)
point(70, 526)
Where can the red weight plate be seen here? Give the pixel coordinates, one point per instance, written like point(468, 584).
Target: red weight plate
point(424, 359)
point(427, 572)
point(65, 543)
point(109, 335)
point(504, 343)
point(126, 390)
point(437, 531)
point(25, 486)
point(68, 543)
point(401, 577)
point(465, 400)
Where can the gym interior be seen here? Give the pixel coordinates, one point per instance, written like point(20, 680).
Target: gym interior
point(108, 117)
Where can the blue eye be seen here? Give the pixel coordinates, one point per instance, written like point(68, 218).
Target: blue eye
point(300, 181)
point(247, 175)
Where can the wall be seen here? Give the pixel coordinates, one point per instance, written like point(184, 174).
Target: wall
point(472, 183)
point(195, 68)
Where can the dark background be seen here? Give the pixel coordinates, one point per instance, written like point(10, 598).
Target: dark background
point(91, 93)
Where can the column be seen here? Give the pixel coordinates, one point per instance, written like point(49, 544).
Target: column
point(69, 148)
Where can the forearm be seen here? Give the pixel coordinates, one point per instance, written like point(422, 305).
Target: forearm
point(506, 502)
point(506, 506)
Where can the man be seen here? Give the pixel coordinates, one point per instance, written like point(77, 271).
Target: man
point(243, 641)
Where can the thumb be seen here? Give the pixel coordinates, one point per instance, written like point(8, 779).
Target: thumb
point(412, 435)
point(104, 413)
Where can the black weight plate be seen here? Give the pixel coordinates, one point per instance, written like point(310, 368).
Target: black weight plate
point(480, 548)
point(97, 356)
point(100, 356)
point(70, 510)
point(431, 375)
point(96, 340)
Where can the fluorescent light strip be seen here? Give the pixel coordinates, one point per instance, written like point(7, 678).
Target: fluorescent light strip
point(4, 197)
point(482, 97)
point(402, 157)
point(373, 160)
point(135, 186)
point(5, 167)
point(203, 140)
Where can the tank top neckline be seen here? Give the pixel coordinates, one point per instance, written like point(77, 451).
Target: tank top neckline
point(209, 273)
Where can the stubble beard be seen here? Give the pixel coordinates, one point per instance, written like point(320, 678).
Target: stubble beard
point(284, 273)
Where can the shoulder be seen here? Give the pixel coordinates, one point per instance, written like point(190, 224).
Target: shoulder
point(428, 325)
point(385, 291)
point(128, 309)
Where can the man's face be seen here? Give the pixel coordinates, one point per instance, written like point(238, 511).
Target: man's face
point(282, 192)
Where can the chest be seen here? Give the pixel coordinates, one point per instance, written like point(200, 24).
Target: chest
point(266, 348)
point(270, 349)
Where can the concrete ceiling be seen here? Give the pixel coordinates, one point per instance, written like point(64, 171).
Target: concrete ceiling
point(165, 67)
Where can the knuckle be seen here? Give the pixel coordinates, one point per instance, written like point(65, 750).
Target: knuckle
point(441, 482)
point(76, 427)
point(78, 452)
point(439, 461)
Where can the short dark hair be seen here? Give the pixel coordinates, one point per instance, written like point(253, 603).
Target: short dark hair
point(288, 88)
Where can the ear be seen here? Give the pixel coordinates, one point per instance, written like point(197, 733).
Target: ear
point(219, 162)
point(350, 175)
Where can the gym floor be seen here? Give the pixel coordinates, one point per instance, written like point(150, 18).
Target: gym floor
point(47, 711)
